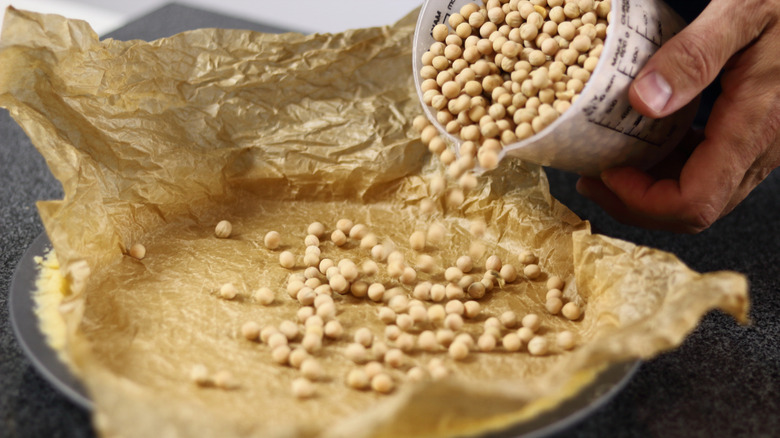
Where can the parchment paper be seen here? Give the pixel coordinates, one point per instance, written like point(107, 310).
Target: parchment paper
point(156, 142)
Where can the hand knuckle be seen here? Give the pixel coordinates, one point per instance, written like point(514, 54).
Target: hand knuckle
point(772, 124)
point(700, 216)
point(695, 59)
point(764, 118)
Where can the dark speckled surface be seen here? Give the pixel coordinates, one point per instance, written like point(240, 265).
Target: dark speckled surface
point(723, 381)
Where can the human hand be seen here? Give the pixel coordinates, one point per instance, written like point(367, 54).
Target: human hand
point(741, 142)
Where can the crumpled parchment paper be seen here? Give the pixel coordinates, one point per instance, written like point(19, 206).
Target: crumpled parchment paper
point(154, 142)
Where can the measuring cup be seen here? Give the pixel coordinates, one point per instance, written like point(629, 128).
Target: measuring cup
point(600, 130)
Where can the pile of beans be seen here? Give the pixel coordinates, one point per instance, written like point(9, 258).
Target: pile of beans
point(430, 310)
point(502, 72)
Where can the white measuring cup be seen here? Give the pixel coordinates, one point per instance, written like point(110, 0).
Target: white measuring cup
point(600, 130)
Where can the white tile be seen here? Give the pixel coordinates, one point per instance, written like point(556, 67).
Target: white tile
point(314, 15)
point(307, 16)
point(101, 19)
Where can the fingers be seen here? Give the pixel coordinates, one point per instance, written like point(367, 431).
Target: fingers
point(595, 190)
point(707, 187)
point(690, 61)
point(741, 142)
point(740, 148)
point(633, 197)
point(666, 203)
point(743, 133)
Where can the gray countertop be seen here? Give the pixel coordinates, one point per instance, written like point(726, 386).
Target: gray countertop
point(723, 381)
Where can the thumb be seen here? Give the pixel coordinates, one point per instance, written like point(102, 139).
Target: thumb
point(691, 60)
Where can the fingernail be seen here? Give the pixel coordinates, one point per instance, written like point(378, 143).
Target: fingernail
point(605, 178)
point(582, 188)
point(654, 91)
